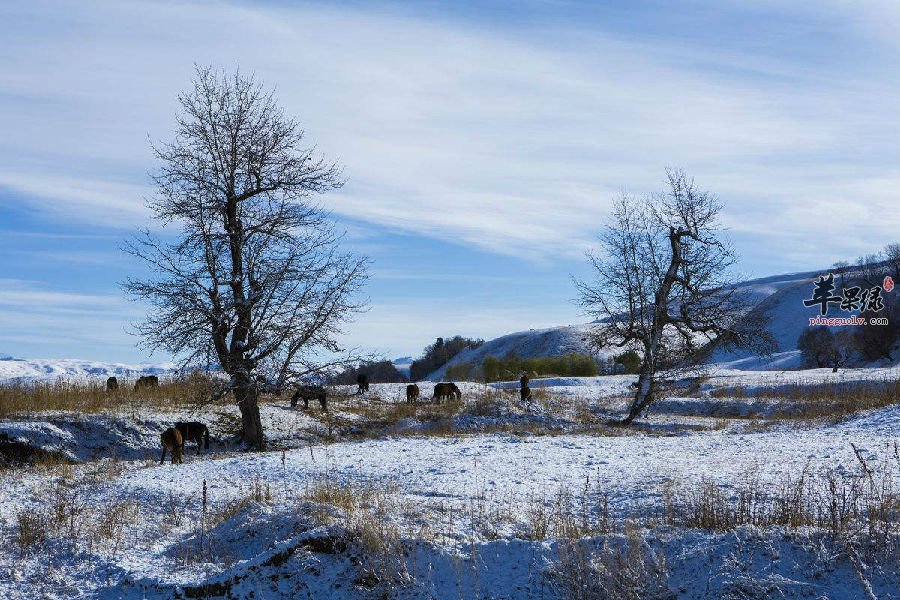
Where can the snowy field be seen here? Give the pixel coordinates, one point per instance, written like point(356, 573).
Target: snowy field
point(491, 498)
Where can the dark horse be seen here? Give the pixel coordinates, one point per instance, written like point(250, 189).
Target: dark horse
point(412, 392)
point(446, 391)
point(171, 441)
point(194, 431)
point(310, 392)
point(112, 384)
point(362, 383)
point(524, 390)
point(146, 381)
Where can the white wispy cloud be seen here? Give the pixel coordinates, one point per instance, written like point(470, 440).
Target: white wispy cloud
point(64, 322)
point(510, 142)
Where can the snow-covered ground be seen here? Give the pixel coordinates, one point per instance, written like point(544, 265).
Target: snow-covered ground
point(464, 504)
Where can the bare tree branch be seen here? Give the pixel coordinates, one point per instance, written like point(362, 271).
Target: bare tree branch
point(255, 281)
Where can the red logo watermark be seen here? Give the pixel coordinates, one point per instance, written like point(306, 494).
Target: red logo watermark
point(888, 283)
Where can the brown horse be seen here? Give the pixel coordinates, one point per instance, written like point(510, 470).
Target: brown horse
point(523, 381)
point(172, 441)
point(412, 392)
point(146, 381)
point(112, 384)
point(194, 431)
point(525, 393)
point(310, 392)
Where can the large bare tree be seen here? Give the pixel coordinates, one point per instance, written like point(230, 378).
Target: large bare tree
point(254, 280)
point(661, 284)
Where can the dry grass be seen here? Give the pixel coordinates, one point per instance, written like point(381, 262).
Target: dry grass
point(487, 410)
point(569, 515)
point(865, 503)
point(814, 400)
point(91, 397)
point(367, 514)
point(76, 522)
point(623, 568)
point(256, 493)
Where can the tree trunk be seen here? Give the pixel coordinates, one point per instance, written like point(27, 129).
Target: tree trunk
point(644, 395)
point(252, 433)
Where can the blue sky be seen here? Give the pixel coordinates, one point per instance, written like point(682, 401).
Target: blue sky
point(482, 143)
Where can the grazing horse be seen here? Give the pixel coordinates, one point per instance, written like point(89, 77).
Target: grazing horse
point(146, 381)
point(171, 440)
point(525, 393)
point(112, 384)
point(310, 392)
point(446, 391)
point(194, 431)
point(412, 392)
point(362, 383)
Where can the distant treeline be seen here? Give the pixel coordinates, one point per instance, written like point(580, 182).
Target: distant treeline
point(382, 371)
point(437, 354)
point(512, 367)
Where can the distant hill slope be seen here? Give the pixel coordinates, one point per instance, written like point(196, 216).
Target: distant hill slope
point(781, 296)
point(553, 341)
point(40, 369)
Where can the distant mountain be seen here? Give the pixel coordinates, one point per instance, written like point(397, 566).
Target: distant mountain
point(51, 369)
point(403, 364)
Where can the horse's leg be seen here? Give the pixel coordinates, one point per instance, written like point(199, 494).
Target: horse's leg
point(163, 457)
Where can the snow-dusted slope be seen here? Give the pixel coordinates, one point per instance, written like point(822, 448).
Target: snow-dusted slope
point(554, 341)
point(46, 369)
point(781, 296)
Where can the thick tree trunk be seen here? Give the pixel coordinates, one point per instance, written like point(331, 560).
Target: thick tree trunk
point(247, 398)
point(644, 395)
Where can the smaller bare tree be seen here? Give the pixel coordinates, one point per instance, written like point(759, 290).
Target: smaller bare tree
point(820, 347)
point(891, 254)
point(662, 285)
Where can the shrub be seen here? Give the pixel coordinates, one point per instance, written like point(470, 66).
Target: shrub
point(511, 367)
point(630, 361)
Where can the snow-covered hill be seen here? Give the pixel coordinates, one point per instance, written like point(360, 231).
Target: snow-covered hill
point(50, 369)
point(781, 296)
point(553, 341)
